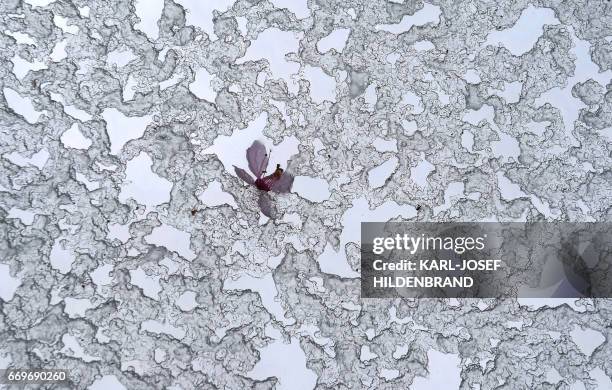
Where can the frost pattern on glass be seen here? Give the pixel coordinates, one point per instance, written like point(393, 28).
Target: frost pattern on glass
point(133, 255)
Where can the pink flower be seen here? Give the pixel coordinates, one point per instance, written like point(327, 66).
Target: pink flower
point(279, 181)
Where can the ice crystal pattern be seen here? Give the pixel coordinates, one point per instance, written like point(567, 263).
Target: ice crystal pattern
point(132, 255)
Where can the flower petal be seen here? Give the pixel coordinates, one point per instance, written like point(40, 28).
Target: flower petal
point(283, 184)
point(265, 204)
point(257, 158)
point(244, 175)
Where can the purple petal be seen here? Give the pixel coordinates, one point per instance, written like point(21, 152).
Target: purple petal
point(265, 204)
point(257, 158)
point(283, 184)
point(244, 175)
